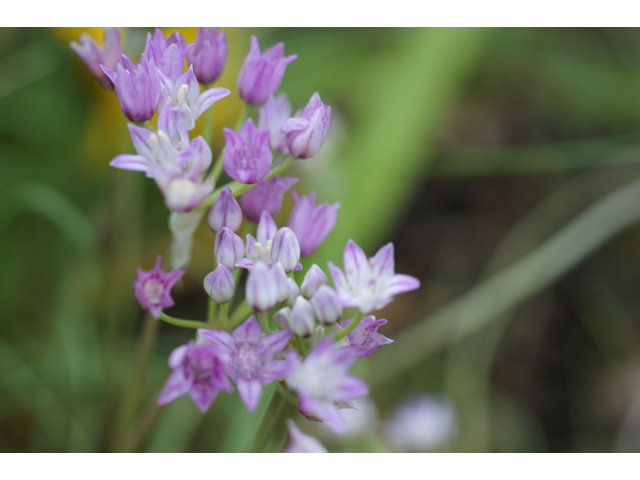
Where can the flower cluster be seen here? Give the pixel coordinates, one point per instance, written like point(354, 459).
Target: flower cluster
point(287, 330)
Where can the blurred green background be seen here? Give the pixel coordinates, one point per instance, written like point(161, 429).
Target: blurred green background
point(503, 164)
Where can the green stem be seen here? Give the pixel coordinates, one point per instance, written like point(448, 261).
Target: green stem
point(223, 314)
point(179, 322)
point(241, 312)
point(354, 323)
point(132, 400)
point(211, 312)
point(263, 318)
point(208, 125)
point(269, 422)
point(286, 394)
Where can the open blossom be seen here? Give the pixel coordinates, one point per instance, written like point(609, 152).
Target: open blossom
point(311, 223)
point(261, 74)
point(93, 56)
point(137, 87)
point(182, 182)
point(274, 112)
point(199, 370)
point(183, 95)
point(272, 246)
point(421, 423)
point(300, 442)
point(152, 288)
point(247, 158)
point(323, 384)
point(153, 150)
point(252, 357)
point(266, 195)
point(369, 284)
point(365, 339)
point(167, 53)
point(208, 55)
point(305, 134)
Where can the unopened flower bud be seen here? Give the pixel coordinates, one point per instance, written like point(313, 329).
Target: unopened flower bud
point(228, 248)
point(247, 158)
point(262, 73)
point(281, 317)
point(302, 321)
point(286, 249)
point(313, 280)
point(225, 212)
point(208, 55)
point(326, 306)
point(311, 223)
point(294, 291)
point(266, 195)
point(263, 289)
point(220, 284)
point(281, 281)
point(304, 135)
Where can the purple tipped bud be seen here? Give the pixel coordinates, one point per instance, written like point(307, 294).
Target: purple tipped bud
point(247, 157)
point(93, 56)
point(208, 55)
point(326, 305)
point(264, 288)
point(220, 284)
point(285, 249)
point(294, 291)
point(261, 74)
point(267, 228)
point(137, 87)
point(281, 318)
point(311, 223)
point(228, 248)
point(305, 134)
point(302, 320)
point(265, 196)
point(225, 212)
point(313, 280)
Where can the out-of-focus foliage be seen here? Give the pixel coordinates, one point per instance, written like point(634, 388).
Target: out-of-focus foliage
point(503, 164)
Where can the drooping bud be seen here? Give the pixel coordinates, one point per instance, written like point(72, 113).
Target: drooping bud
point(220, 284)
point(302, 320)
point(263, 289)
point(228, 248)
point(137, 87)
point(108, 55)
point(326, 306)
point(294, 291)
point(313, 280)
point(261, 74)
point(209, 54)
point(225, 212)
point(286, 249)
point(265, 196)
point(311, 223)
point(304, 135)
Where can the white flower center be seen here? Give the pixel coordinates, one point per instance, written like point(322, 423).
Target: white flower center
point(180, 191)
point(153, 290)
point(264, 253)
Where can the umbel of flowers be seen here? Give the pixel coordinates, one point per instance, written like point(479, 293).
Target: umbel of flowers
point(285, 327)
